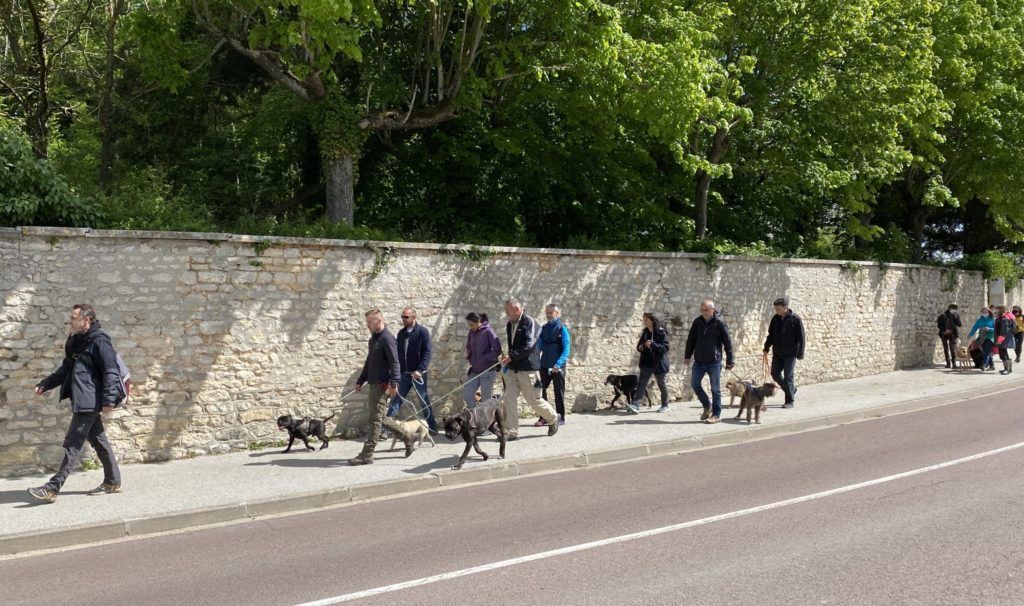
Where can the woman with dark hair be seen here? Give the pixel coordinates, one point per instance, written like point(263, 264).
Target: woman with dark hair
point(653, 348)
point(984, 326)
point(1005, 327)
point(482, 351)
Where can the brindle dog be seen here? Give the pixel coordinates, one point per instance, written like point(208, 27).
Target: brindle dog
point(753, 400)
point(488, 415)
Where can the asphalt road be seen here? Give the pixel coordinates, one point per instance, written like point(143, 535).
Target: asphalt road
point(950, 535)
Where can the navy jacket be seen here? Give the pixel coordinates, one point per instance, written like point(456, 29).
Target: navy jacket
point(786, 336)
point(522, 346)
point(88, 375)
point(707, 339)
point(657, 356)
point(414, 349)
point(381, 366)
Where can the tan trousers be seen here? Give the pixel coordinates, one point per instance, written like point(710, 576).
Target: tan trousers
point(523, 383)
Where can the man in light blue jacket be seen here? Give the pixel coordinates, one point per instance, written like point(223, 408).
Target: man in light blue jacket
point(554, 354)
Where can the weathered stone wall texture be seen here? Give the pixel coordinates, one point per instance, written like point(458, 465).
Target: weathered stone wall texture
point(224, 333)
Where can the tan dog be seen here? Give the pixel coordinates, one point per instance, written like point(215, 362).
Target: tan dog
point(963, 357)
point(417, 429)
point(736, 389)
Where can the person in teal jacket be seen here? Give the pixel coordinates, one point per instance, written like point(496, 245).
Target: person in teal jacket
point(985, 327)
point(554, 354)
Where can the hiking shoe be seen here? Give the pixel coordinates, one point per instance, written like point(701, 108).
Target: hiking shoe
point(663, 408)
point(633, 408)
point(789, 405)
point(711, 420)
point(553, 428)
point(362, 459)
point(704, 415)
point(105, 488)
point(540, 422)
point(43, 494)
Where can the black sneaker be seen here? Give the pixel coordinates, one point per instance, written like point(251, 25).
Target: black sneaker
point(43, 494)
point(105, 488)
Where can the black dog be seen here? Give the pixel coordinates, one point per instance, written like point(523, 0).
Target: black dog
point(753, 399)
point(487, 416)
point(302, 429)
point(625, 385)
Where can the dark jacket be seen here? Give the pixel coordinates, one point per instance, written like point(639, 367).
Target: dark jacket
point(707, 339)
point(656, 357)
point(786, 336)
point(482, 348)
point(522, 346)
point(89, 374)
point(1006, 326)
point(554, 344)
point(414, 348)
point(949, 320)
point(381, 366)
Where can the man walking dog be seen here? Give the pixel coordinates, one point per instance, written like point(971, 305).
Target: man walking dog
point(786, 342)
point(708, 337)
point(89, 376)
point(381, 369)
point(414, 352)
point(520, 371)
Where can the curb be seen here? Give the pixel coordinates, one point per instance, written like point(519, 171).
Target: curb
point(137, 527)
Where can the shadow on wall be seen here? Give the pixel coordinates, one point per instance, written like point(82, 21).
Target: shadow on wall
point(223, 336)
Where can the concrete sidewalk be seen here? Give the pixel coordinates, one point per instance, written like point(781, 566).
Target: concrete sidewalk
point(187, 493)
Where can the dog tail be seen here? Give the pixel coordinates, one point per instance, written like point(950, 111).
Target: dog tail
point(330, 417)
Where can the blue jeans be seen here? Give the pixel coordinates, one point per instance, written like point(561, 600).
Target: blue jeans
point(484, 382)
point(405, 385)
point(783, 369)
point(714, 372)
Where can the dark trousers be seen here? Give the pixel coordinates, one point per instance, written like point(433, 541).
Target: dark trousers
point(986, 351)
point(557, 382)
point(86, 427)
point(784, 371)
point(422, 405)
point(645, 378)
point(1020, 341)
point(949, 348)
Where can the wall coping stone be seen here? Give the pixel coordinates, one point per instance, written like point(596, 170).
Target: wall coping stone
point(87, 232)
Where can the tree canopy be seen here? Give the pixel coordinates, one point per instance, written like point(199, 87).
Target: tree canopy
point(876, 129)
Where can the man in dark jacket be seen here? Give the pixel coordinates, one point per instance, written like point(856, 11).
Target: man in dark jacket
point(949, 325)
point(786, 342)
point(381, 370)
point(89, 376)
point(520, 371)
point(413, 360)
point(708, 336)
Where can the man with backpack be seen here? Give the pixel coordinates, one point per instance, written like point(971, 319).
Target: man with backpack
point(90, 377)
point(949, 324)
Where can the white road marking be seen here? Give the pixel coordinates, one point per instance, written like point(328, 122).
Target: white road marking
point(649, 533)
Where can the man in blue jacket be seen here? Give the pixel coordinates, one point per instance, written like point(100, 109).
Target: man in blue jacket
point(554, 354)
point(786, 342)
point(89, 376)
point(708, 337)
point(414, 358)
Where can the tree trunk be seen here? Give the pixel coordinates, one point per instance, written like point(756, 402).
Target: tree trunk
point(700, 204)
point(106, 109)
point(340, 190)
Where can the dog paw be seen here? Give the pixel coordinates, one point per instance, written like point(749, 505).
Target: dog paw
point(485, 457)
point(285, 451)
point(456, 467)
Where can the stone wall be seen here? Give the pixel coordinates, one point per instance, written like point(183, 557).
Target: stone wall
point(223, 333)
